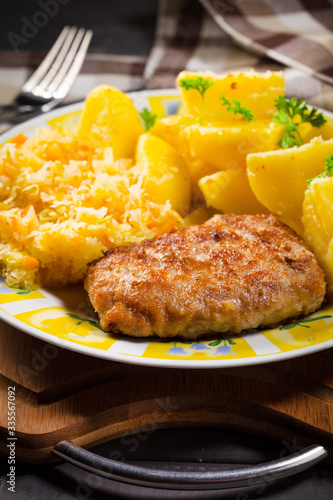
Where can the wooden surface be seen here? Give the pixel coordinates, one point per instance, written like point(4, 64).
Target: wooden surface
point(64, 395)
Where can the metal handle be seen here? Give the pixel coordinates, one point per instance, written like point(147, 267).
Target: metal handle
point(199, 480)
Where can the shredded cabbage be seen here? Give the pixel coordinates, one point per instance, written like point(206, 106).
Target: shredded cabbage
point(63, 203)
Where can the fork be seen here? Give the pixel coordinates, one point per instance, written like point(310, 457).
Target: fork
point(54, 77)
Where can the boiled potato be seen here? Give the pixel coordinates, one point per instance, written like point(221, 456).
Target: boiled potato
point(165, 176)
point(183, 109)
point(223, 147)
point(110, 119)
point(308, 132)
point(279, 178)
point(318, 224)
point(171, 129)
point(198, 169)
point(326, 130)
point(256, 91)
point(229, 191)
point(295, 224)
point(199, 216)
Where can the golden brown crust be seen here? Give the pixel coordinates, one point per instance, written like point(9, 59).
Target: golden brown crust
point(230, 274)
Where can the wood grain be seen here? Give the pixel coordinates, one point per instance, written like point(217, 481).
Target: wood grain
point(61, 394)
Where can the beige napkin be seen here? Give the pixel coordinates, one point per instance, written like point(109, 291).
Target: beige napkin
point(225, 35)
point(297, 33)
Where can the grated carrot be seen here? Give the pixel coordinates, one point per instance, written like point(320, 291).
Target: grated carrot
point(19, 139)
point(26, 210)
point(30, 262)
point(108, 241)
point(169, 227)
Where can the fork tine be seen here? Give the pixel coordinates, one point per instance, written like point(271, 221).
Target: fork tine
point(67, 62)
point(68, 80)
point(46, 63)
point(41, 86)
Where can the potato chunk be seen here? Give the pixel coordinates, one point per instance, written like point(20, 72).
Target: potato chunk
point(229, 191)
point(256, 91)
point(171, 129)
point(224, 146)
point(278, 178)
point(318, 224)
point(308, 132)
point(110, 119)
point(165, 176)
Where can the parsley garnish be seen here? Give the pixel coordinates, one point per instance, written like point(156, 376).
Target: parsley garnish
point(236, 107)
point(198, 83)
point(202, 85)
point(328, 172)
point(148, 118)
point(288, 111)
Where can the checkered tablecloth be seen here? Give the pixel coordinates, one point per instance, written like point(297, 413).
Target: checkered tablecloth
point(218, 35)
point(226, 35)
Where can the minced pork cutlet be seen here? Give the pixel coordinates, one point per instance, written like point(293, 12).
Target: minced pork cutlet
point(232, 273)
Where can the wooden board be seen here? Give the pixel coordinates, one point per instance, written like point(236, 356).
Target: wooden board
point(61, 394)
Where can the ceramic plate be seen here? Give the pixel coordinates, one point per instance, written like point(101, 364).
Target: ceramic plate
point(64, 317)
